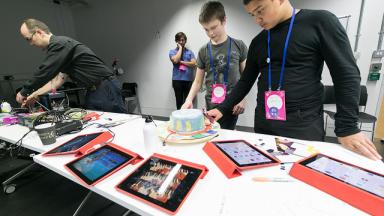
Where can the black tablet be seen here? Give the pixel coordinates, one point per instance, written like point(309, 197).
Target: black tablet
point(347, 173)
point(160, 182)
point(74, 144)
point(244, 154)
point(98, 164)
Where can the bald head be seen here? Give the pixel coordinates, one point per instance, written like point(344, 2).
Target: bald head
point(34, 24)
point(35, 32)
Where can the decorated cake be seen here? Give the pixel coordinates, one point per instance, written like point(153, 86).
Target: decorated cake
point(187, 121)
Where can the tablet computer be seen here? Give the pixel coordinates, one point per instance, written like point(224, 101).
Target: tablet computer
point(97, 165)
point(161, 183)
point(244, 154)
point(355, 176)
point(81, 142)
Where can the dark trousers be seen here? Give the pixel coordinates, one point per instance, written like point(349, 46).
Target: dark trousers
point(300, 124)
point(106, 97)
point(181, 89)
point(228, 121)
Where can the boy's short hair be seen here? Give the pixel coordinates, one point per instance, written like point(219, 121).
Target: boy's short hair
point(245, 2)
point(33, 24)
point(180, 35)
point(212, 10)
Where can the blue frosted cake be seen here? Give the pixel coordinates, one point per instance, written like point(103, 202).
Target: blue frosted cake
point(186, 121)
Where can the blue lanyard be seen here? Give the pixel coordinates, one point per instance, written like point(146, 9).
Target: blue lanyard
point(226, 67)
point(284, 54)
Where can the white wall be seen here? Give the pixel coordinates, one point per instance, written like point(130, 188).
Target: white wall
point(140, 34)
point(17, 57)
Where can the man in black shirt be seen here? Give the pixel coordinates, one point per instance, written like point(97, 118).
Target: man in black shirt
point(68, 58)
point(287, 57)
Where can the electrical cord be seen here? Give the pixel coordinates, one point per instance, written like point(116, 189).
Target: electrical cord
point(18, 144)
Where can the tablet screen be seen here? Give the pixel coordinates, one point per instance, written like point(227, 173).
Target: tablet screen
point(92, 167)
point(352, 175)
point(243, 154)
point(161, 182)
point(75, 143)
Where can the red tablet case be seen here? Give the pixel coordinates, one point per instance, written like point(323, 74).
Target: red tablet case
point(354, 196)
point(102, 138)
point(226, 165)
point(135, 159)
point(175, 160)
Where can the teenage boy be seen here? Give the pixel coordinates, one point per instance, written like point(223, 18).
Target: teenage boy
point(221, 60)
point(288, 56)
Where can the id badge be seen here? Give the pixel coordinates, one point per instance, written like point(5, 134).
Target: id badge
point(275, 105)
point(218, 93)
point(182, 67)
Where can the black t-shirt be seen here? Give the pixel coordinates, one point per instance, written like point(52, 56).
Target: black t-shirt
point(68, 56)
point(317, 36)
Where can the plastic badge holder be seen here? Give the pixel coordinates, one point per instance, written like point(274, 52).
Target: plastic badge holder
point(359, 187)
point(233, 156)
point(80, 145)
point(101, 163)
point(163, 182)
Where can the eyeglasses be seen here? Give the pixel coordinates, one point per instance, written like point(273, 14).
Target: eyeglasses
point(30, 37)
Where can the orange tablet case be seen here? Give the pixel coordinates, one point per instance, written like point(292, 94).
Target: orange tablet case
point(102, 138)
point(226, 165)
point(352, 195)
point(136, 158)
point(175, 160)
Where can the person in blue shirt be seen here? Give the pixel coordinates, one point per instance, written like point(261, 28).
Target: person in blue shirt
point(184, 62)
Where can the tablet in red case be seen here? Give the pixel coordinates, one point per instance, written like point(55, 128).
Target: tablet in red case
point(163, 182)
point(359, 187)
point(232, 156)
point(81, 144)
point(101, 163)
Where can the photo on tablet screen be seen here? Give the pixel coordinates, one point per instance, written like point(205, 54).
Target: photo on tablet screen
point(94, 166)
point(243, 154)
point(352, 175)
point(161, 182)
point(75, 143)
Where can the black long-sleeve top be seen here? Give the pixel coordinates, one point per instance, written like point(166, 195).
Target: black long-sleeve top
point(317, 36)
point(68, 56)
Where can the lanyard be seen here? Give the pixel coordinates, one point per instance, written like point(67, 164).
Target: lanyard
point(284, 54)
point(226, 67)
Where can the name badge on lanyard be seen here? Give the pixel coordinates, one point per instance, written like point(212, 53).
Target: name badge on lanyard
point(182, 68)
point(219, 91)
point(275, 100)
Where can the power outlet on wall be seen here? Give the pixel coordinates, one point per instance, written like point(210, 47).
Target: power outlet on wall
point(375, 66)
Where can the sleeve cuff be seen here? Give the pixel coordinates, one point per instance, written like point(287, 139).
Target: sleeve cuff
point(24, 92)
point(344, 133)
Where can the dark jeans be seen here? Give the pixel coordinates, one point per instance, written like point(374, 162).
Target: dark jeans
point(300, 124)
point(106, 97)
point(181, 89)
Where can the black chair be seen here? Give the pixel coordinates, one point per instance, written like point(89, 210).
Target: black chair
point(329, 98)
point(130, 94)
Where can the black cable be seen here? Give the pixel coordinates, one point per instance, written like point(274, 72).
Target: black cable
point(17, 144)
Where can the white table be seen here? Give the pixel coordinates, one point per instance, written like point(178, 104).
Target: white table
point(215, 194)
